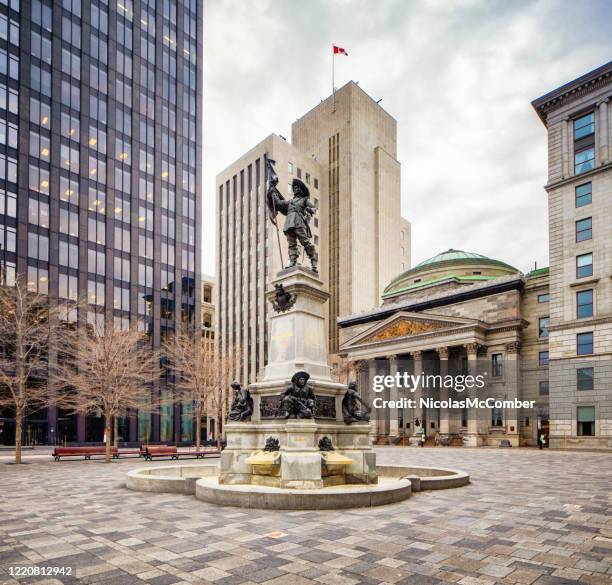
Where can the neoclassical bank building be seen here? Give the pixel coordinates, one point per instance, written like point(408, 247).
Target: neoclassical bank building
point(455, 315)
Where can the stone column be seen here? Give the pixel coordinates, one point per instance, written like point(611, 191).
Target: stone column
point(513, 373)
point(393, 428)
point(604, 132)
point(473, 437)
point(374, 423)
point(417, 359)
point(443, 392)
point(406, 412)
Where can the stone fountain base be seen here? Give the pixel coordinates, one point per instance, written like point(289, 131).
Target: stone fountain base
point(299, 463)
point(396, 483)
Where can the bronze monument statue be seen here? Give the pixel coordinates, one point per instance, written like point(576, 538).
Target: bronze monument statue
point(298, 400)
point(350, 407)
point(299, 210)
point(242, 404)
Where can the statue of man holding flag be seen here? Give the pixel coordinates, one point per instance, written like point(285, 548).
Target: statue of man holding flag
point(299, 210)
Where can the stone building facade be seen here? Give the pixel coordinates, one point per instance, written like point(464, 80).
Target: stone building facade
point(355, 142)
point(458, 313)
point(578, 119)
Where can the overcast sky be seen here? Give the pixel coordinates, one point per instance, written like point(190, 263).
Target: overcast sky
point(457, 75)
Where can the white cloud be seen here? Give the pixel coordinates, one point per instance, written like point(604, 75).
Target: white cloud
point(457, 76)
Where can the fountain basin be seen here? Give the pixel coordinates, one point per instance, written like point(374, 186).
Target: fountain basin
point(395, 484)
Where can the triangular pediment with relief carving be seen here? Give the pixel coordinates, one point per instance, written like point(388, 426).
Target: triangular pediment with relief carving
point(404, 324)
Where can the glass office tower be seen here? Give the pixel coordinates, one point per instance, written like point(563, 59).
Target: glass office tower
point(100, 175)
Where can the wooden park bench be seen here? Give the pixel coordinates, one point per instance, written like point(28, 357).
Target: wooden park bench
point(159, 451)
point(86, 452)
point(199, 454)
point(154, 451)
point(126, 452)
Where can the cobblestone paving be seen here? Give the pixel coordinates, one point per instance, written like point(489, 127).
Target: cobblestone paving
point(528, 517)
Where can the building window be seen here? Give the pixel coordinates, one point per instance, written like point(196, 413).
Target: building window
point(497, 417)
point(402, 251)
point(207, 294)
point(584, 229)
point(38, 246)
point(584, 143)
point(584, 194)
point(584, 303)
point(543, 298)
point(543, 388)
point(586, 421)
point(585, 378)
point(316, 183)
point(584, 160)
point(38, 280)
point(543, 324)
point(95, 292)
point(496, 365)
point(290, 168)
point(38, 213)
point(584, 265)
point(68, 287)
point(543, 358)
point(584, 343)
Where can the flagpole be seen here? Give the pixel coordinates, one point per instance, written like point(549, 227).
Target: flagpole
point(333, 84)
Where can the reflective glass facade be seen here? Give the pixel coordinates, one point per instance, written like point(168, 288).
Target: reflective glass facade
point(100, 169)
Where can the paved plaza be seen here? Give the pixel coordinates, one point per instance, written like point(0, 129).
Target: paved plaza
point(528, 517)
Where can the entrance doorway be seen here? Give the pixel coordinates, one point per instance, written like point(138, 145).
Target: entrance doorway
point(545, 430)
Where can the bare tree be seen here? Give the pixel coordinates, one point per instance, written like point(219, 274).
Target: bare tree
point(227, 364)
point(193, 362)
point(108, 370)
point(201, 371)
point(28, 323)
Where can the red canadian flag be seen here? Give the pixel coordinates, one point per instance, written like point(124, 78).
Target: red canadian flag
point(340, 50)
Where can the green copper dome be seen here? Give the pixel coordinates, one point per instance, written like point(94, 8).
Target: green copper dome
point(452, 264)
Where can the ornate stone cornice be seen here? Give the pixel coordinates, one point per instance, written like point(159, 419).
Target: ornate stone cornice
point(417, 355)
point(572, 91)
point(501, 284)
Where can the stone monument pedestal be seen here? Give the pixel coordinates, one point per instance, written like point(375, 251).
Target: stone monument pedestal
point(297, 342)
